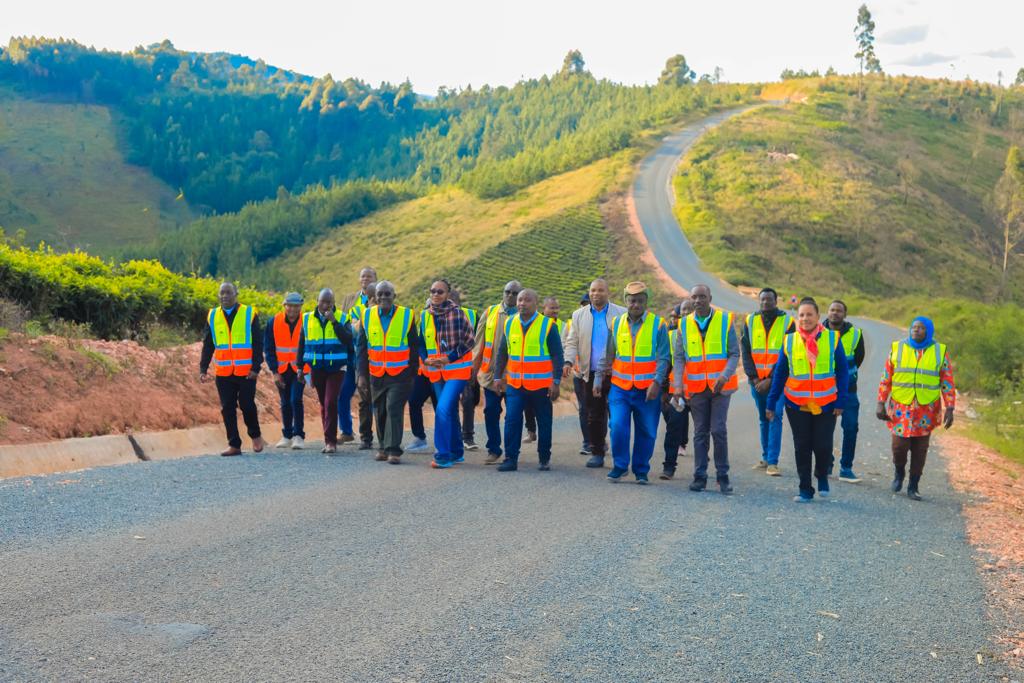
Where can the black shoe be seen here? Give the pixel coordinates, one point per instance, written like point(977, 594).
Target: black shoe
point(667, 473)
point(724, 486)
point(912, 489)
point(596, 461)
point(366, 446)
point(508, 466)
point(586, 450)
point(544, 466)
point(699, 484)
point(897, 482)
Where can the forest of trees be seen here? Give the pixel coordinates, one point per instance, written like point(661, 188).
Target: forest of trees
point(228, 130)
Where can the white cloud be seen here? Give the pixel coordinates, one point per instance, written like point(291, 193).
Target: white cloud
point(906, 35)
point(1000, 53)
point(927, 59)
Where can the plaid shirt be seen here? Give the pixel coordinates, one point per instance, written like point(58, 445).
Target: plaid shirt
point(454, 333)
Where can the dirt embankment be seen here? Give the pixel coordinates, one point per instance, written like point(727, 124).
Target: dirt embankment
point(57, 388)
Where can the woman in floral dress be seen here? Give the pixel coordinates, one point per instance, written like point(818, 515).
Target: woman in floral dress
point(916, 394)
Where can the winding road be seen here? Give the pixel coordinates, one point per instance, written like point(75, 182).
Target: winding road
point(285, 566)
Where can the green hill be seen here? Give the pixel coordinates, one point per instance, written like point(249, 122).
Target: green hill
point(875, 198)
point(63, 179)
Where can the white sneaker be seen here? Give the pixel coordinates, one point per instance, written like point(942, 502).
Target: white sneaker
point(298, 444)
point(284, 443)
point(417, 446)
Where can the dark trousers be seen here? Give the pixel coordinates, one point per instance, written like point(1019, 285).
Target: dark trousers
point(917, 446)
point(677, 432)
point(389, 399)
point(470, 400)
point(812, 434)
point(292, 411)
point(517, 401)
point(597, 416)
point(710, 413)
point(579, 387)
point(238, 393)
point(328, 387)
point(421, 391)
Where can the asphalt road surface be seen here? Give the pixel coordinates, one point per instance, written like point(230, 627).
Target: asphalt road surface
point(301, 567)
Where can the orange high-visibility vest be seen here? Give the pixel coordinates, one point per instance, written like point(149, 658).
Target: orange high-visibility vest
point(529, 362)
point(286, 343)
point(707, 356)
point(232, 354)
point(460, 369)
point(806, 384)
point(635, 363)
point(387, 349)
point(766, 345)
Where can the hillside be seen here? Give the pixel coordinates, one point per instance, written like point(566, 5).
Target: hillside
point(64, 180)
point(875, 198)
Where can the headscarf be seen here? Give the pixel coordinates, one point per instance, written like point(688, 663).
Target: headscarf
point(811, 342)
point(929, 333)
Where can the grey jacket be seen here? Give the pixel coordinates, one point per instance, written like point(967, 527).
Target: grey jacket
point(732, 351)
point(577, 340)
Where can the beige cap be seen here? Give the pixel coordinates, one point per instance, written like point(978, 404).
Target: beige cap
point(636, 287)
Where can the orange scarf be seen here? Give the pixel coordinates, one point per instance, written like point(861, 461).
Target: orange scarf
point(811, 342)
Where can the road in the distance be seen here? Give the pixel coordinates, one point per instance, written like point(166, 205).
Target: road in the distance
point(302, 567)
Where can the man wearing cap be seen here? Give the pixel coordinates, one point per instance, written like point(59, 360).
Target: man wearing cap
point(637, 360)
point(234, 344)
point(585, 345)
point(353, 306)
point(707, 354)
point(387, 353)
point(281, 348)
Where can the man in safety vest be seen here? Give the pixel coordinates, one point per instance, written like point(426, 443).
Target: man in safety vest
point(471, 394)
point(707, 354)
point(234, 344)
point(324, 346)
point(852, 339)
point(281, 347)
point(762, 346)
point(387, 351)
point(490, 335)
point(525, 370)
point(677, 413)
point(636, 358)
point(353, 306)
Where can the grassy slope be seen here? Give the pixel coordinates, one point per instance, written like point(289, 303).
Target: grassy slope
point(64, 180)
point(837, 221)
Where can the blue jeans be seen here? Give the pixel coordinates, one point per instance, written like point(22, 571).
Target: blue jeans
point(292, 412)
point(850, 422)
point(447, 430)
point(518, 400)
point(771, 432)
point(632, 408)
point(492, 421)
point(348, 390)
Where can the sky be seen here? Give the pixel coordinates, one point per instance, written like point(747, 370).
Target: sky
point(456, 43)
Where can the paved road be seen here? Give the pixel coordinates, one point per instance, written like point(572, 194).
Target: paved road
point(300, 567)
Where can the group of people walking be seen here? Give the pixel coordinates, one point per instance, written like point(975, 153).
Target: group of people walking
point(630, 368)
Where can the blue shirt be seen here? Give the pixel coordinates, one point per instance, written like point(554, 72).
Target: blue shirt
point(598, 337)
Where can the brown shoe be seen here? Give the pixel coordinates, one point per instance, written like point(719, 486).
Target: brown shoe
point(773, 471)
point(381, 456)
point(231, 451)
point(492, 459)
point(394, 460)
point(530, 437)
point(258, 444)
point(346, 438)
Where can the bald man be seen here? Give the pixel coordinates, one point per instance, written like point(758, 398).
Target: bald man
point(324, 346)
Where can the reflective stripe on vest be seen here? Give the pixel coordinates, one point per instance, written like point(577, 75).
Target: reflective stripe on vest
point(850, 340)
point(492, 314)
point(460, 369)
point(387, 350)
point(706, 357)
point(232, 347)
point(286, 343)
point(635, 364)
point(766, 345)
point(806, 384)
point(322, 344)
point(916, 378)
point(470, 315)
point(529, 362)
